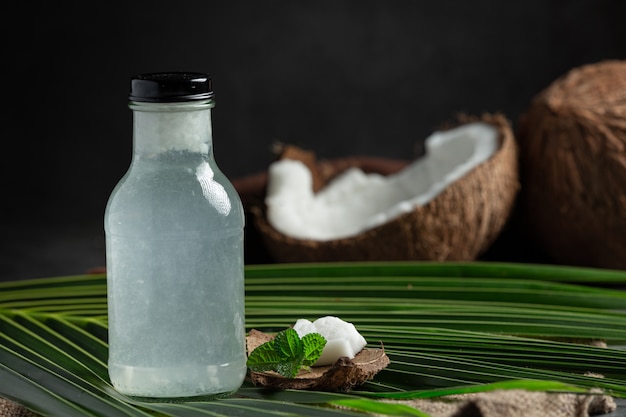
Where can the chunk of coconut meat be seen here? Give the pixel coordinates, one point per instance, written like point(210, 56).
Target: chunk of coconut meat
point(342, 338)
point(355, 201)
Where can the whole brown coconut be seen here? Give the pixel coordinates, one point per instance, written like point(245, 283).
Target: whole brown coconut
point(573, 162)
point(458, 224)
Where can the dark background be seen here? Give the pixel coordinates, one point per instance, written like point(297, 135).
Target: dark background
point(338, 77)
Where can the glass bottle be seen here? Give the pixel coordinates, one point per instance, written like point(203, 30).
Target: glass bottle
point(174, 249)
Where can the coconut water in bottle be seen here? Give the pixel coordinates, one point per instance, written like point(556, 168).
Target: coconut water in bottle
point(174, 247)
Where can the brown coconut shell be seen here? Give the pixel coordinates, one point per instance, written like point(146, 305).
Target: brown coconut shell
point(459, 224)
point(251, 188)
point(343, 375)
point(573, 163)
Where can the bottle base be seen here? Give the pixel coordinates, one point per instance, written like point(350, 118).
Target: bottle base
point(195, 398)
point(177, 383)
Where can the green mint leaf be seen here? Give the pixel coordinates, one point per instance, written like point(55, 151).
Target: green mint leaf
point(289, 369)
point(313, 346)
point(264, 358)
point(287, 353)
point(289, 345)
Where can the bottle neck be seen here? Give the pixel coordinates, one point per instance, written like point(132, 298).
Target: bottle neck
point(164, 128)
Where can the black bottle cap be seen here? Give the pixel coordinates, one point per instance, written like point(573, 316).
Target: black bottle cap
point(170, 87)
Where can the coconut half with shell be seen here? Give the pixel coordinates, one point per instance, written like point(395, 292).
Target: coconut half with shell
point(450, 204)
point(573, 162)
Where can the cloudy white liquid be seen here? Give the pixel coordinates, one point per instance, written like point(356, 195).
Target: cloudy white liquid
point(174, 229)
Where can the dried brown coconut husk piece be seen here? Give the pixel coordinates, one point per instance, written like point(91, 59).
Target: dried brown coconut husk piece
point(458, 224)
point(573, 163)
point(343, 375)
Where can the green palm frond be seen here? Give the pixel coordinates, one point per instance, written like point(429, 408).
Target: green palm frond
point(447, 328)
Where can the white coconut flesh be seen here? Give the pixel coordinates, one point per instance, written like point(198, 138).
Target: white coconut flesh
point(355, 201)
point(342, 338)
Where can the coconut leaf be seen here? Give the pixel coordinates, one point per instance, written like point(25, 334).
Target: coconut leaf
point(439, 269)
point(447, 328)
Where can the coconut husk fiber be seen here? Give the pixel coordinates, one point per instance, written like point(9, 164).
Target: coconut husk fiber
point(458, 224)
point(573, 163)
